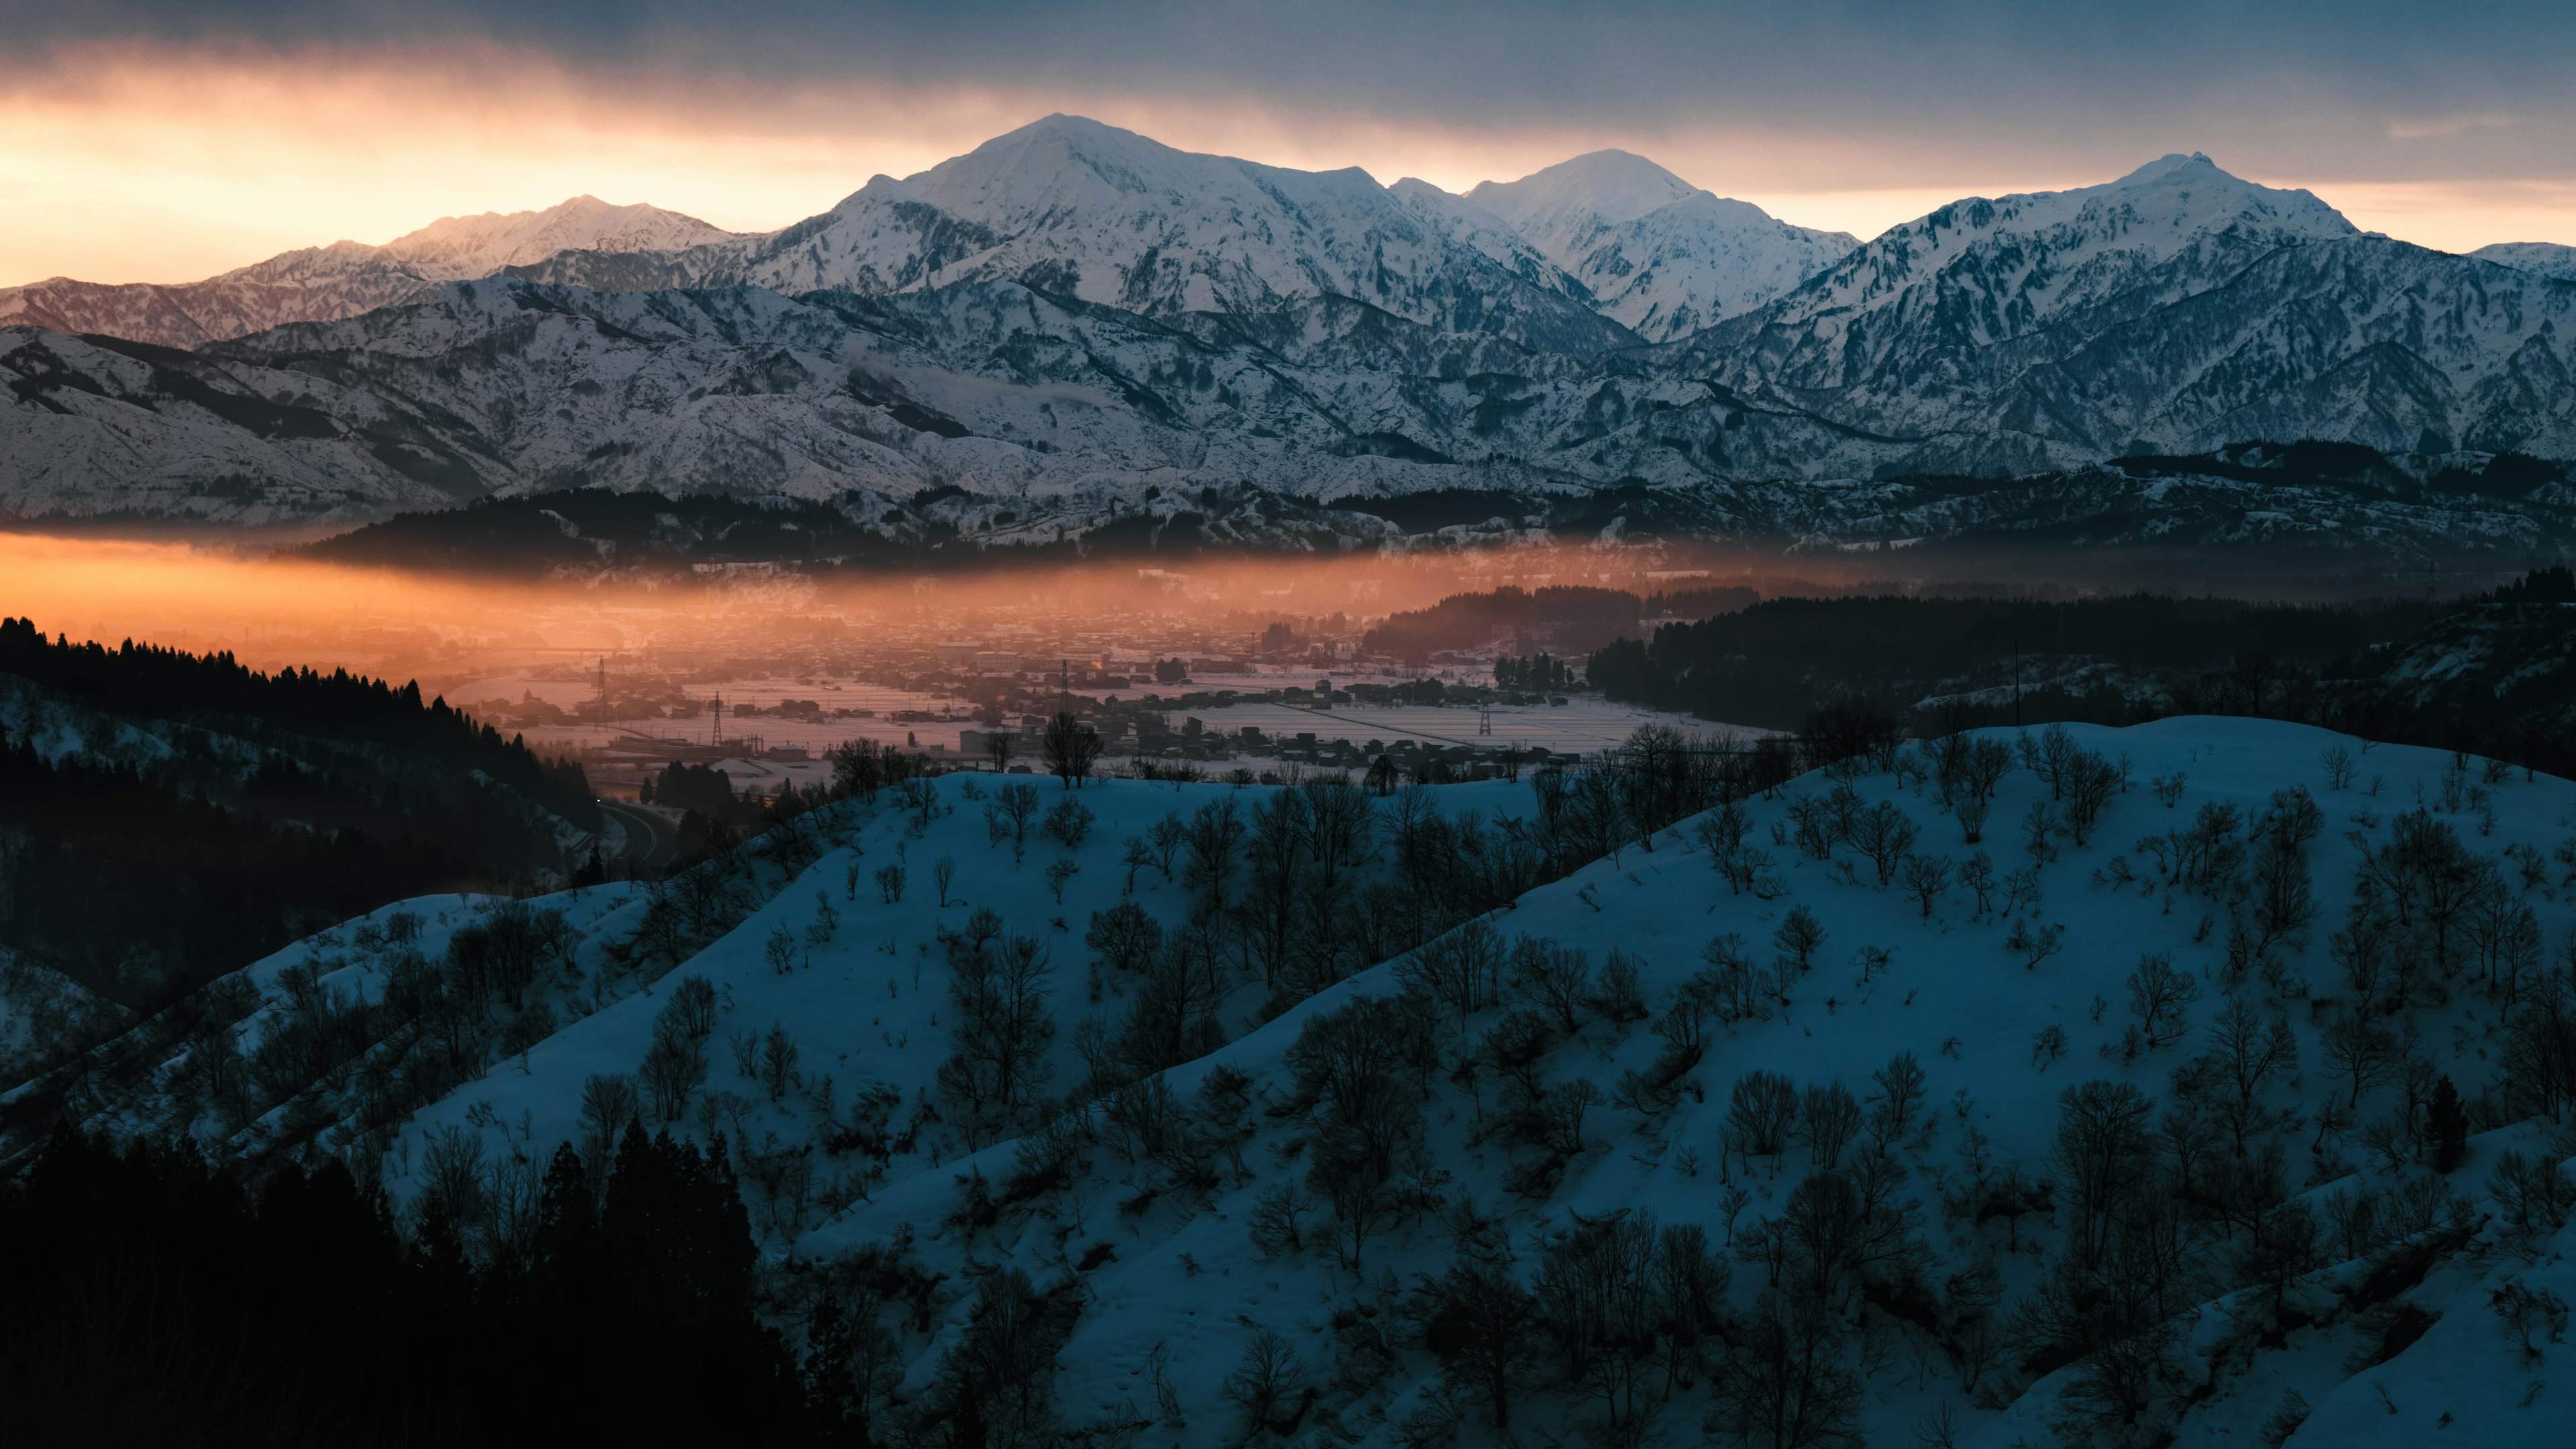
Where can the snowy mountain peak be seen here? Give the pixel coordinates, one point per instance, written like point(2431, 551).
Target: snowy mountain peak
point(477, 246)
point(2160, 205)
point(2548, 259)
point(346, 278)
point(1982, 270)
point(1614, 186)
point(1077, 208)
point(1659, 255)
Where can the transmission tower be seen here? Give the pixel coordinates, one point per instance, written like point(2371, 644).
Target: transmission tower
point(1484, 718)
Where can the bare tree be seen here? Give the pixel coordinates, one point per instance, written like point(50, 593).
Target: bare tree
point(1071, 747)
point(2105, 1157)
point(2360, 1051)
point(1885, 834)
point(1340, 821)
point(1166, 838)
point(1483, 1333)
point(1558, 978)
point(1062, 869)
point(1124, 936)
point(2340, 766)
point(943, 873)
point(1266, 1380)
point(2247, 1053)
point(2159, 996)
point(1800, 935)
point(1138, 855)
point(1828, 1116)
point(1462, 970)
point(998, 990)
point(1215, 834)
point(1068, 823)
point(1760, 1113)
point(1787, 1385)
point(1017, 805)
point(1927, 879)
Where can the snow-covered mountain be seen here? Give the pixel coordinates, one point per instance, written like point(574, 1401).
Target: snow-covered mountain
point(1084, 210)
point(2007, 1140)
point(2174, 310)
point(514, 387)
point(1076, 313)
point(2549, 259)
point(1661, 256)
point(322, 284)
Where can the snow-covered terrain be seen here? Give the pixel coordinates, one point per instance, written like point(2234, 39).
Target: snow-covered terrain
point(322, 284)
point(1660, 255)
point(2549, 259)
point(1077, 313)
point(1088, 211)
point(2129, 1138)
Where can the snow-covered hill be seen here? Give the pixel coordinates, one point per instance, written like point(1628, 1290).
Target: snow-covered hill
point(1660, 255)
point(2549, 259)
point(2139, 1134)
point(322, 284)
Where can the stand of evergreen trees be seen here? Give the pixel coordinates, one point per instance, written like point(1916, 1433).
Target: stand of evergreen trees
point(148, 682)
point(271, 805)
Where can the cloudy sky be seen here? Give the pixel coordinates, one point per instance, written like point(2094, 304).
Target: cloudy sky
point(162, 140)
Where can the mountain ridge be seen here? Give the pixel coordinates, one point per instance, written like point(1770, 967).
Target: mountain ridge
point(1076, 311)
point(343, 278)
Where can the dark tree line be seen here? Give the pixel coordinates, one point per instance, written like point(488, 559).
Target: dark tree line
point(1773, 663)
point(1584, 616)
point(156, 1300)
point(147, 682)
point(141, 892)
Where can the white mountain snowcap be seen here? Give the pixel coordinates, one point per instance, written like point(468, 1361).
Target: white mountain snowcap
point(2549, 259)
point(2010, 263)
point(478, 246)
point(1661, 256)
point(346, 278)
point(1088, 210)
point(1609, 186)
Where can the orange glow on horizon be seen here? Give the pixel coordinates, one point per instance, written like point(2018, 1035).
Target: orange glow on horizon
point(141, 163)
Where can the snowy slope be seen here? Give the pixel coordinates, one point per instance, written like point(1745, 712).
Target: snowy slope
point(2549, 259)
point(1073, 312)
point(1090, 211)
point(1154, 1243)
point(515, 388)
point(320, 284)
point(1658, 254)
point(2174, 310)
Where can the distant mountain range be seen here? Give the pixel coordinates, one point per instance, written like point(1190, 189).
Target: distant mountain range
point(1079, 324)
point(324, 284)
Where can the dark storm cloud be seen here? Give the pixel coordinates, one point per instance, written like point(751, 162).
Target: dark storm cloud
point(2373, 87)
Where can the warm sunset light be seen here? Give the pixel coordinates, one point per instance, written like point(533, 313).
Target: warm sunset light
point(846, 724)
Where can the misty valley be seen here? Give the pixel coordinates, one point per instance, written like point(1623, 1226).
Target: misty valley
point(1112, 797)
point(1258, 1000)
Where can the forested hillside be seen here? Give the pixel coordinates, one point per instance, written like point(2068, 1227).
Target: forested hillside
point(173, 817)
point(2204, 1080)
